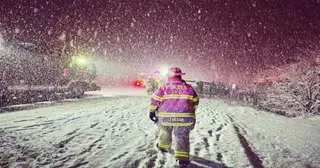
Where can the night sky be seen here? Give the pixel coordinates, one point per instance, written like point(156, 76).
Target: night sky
point(229, 40)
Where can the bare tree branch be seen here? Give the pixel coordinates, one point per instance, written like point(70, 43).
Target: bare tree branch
point(299, 101)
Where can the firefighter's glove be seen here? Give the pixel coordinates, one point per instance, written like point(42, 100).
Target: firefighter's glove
point(153, 117)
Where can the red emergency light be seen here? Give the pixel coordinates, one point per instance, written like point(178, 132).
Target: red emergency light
point(138, 83)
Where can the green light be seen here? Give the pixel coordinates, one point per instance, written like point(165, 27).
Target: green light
point(82, 61)
point(79, 60)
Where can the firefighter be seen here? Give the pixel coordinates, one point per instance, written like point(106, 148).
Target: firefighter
point(157, 83)
point(173, 109)
point(150, 85)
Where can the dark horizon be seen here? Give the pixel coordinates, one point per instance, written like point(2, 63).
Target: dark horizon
point(233, 39)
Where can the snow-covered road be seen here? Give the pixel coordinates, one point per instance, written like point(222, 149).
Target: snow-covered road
point(115, 132)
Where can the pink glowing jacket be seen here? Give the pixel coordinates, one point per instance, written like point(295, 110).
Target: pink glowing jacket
point(175, 103)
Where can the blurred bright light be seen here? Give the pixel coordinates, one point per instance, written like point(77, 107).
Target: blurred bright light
point(79, 60)
point(82, 61)
point(138, 83)
point(164, 70)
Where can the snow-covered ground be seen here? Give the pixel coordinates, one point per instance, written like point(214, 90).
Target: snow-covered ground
point(115, 132)
point(119, 91)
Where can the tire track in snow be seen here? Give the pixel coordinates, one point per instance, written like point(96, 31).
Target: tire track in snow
point(72, 132)
point(119, 156)
point(252, 156)
point(223, 141)
point(24, 120)
point(94, 125)
point(37, 125)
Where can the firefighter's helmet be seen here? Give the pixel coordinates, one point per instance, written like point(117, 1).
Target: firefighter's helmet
point(175, 72)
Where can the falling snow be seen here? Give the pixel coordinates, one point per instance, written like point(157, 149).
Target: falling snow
point(256, 45)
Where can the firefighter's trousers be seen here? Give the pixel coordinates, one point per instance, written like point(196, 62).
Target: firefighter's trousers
point(181, 140)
